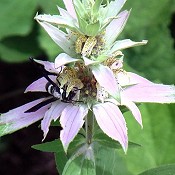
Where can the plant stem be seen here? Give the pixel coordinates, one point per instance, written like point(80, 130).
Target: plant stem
point(89, 125)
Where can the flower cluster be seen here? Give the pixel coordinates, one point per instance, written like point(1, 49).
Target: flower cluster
point(89, 76)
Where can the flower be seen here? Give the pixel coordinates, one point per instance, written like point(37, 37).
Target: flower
point(72, 107)
point(91, 29)
point(88, 77)
point(87, 42)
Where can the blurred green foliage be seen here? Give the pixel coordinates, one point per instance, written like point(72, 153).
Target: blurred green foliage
point(21, 37)
point(151, 20)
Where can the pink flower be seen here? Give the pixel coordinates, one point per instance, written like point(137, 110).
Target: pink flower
point(98, 38)
point(71, 113)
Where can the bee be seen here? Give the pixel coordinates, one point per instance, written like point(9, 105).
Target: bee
point(56, 91)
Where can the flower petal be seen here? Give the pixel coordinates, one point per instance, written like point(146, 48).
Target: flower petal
point(129, 78)
point(52, 114)
point(63, 59)
point(16, 119)
point(48, 66)
point(115, 27)
point(157, 93)
point(106, 79)
point(113, 9)
point(57, 36)
point(72, 119)
point(126, 43)
point(60, 21)
point(39, 85)
point(133, 108)
point(112, 122)
point(70, 8)
point(88, 61)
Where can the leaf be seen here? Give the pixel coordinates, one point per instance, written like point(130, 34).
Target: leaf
point(19, 48)
point(162, 170)
point(53, 146)
point(18, 39)
point(81, 163)
point(56, 145)
point(60, 159)
point(106, 141)
point(109, 161)
point(156, 137)
point(16, 17)
point(153, 25)
point(92, 159)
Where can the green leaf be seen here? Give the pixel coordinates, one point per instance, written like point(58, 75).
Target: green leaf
point(18, 39)
point(81, 163)
point(106, 141)
point(156, 59)
point(163, 170)
point(156, 137)
point(56, 145)
point(60, 159)
point(16, 17)
point(19, 48)
point(96, 159)
point(108, 161)
point(53, 146)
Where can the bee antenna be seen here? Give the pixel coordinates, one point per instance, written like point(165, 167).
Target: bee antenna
point(44, 72)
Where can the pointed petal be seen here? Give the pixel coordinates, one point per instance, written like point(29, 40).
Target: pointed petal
point(48, 66)
point(61, 21)
point(64, 13)
point(113, 8)
point(157, 93)
point(16, 119)
point(39, 85)
point(63, 59)
point(72, 119)
point(17, 113)
point(129, 78)
point(88, 61)
point(52, 114)
point(57, 36)
point(112, 122)
point(106, 79)
point(115, 27)
point(123, 44)
point(70, 8)
point(133, 108)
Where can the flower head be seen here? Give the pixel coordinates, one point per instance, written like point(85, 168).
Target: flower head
point(88, 77)
point(73, 91)
point(91, 29)
point(90, 36)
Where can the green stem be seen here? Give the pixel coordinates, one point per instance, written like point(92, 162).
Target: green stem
point(89, 125)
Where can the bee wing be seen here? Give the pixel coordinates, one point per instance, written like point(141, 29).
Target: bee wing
point(40, 105)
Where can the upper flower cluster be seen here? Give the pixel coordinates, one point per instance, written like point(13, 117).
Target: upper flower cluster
point(91, 29)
